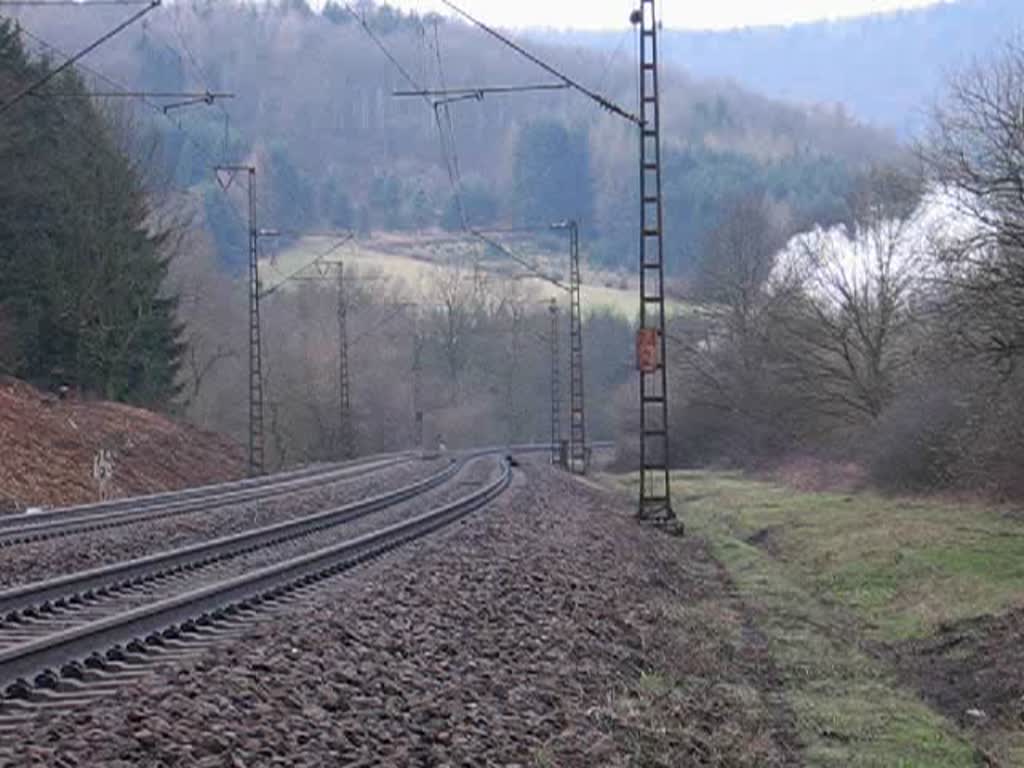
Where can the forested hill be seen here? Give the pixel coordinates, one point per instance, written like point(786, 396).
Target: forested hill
point(885, 68)
point(315, 111)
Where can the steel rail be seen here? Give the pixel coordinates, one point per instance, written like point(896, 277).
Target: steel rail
point(46, 659)
point(130, 573)
point(17, 529)
point(171, 497)
point(46, 530)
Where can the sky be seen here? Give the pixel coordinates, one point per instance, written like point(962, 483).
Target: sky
point(690, 14)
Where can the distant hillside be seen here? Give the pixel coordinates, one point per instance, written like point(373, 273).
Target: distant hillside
point(886, 68)
point(316, 113)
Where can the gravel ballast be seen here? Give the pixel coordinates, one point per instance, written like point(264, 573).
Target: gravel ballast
point(548, 630)
point(33, 561)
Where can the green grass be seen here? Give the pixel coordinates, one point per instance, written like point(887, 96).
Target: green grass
point(900, 567)
point(396, 257)
point(827, 574)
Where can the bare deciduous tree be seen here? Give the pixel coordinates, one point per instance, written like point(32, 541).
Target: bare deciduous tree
point(729, 347)
point(976, 153)
point(210, 307)
point(847, 333)
point(457, 294)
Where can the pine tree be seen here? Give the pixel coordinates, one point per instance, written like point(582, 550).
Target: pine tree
point(82, 266)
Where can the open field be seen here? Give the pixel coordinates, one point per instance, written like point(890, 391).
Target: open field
point(411, 260)
point(895, 623)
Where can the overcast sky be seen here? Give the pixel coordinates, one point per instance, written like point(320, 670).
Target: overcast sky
point(694, 14)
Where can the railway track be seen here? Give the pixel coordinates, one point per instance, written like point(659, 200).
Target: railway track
point(155, 499)
point(95, 517)
point(30, 608)
point(68, 640)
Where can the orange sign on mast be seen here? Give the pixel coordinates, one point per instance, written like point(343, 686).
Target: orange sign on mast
point(647, 350)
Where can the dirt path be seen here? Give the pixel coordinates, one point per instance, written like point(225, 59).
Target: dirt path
point(973, 672)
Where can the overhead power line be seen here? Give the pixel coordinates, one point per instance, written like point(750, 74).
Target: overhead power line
point(604, 102)
point(66, 3)
point(455, 175)
point(315, 261)
point(361, 20)
point(449, 154)
point(120, 87)
point(525, 263)
point(482, 91)
point(34, 86)
point(204, 95)
point(203, 75)
point(445, 104)
point(146, 100)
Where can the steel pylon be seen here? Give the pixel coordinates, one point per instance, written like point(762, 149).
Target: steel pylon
point(655, 501)
point(577, 422)
point(556, 385)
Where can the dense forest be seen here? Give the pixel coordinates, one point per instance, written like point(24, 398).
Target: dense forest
point(112, 282)
point(827, 313)
point(315, 110)
point(84, 251)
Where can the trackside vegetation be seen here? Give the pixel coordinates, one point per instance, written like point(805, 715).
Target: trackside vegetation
point(837, 581)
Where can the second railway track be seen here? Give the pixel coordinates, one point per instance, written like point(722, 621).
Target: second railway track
point(59, 635)
point(74, 520)
point(42, 607)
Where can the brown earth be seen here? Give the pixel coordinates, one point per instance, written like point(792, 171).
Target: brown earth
point(47, 447)
point(972, 671)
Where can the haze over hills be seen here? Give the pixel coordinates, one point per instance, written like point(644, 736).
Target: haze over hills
point(316, 111)
point(886, 69)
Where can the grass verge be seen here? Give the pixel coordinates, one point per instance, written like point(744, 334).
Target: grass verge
point(832, 578)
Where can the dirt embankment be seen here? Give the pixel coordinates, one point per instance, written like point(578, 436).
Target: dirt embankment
point(48, 444)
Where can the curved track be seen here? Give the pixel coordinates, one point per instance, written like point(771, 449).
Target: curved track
point(63, 634)
point(96, 517)
point(35, 608)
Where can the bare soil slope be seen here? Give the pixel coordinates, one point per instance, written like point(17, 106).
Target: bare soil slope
point(47, 446)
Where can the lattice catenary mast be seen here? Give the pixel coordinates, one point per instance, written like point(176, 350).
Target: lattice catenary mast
point(556, 385)
point(256, 460)
point(655, 488)
point(344, 401)
point(655, 496)
point(225, 177)
point(577, 423)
